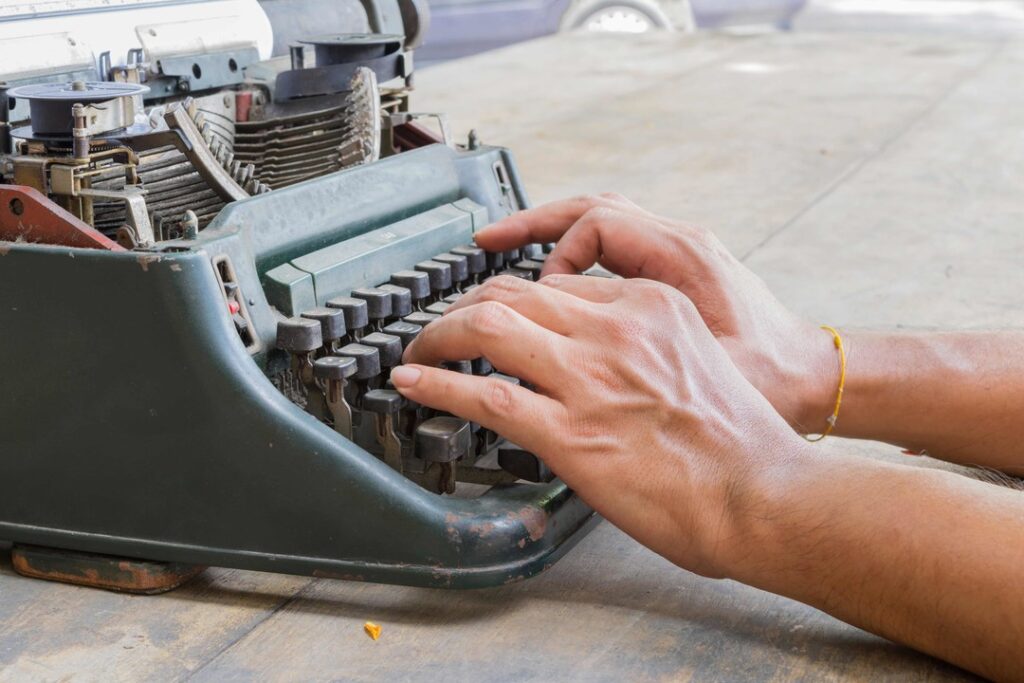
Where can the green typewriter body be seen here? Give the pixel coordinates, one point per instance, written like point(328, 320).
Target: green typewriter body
point(197, 328)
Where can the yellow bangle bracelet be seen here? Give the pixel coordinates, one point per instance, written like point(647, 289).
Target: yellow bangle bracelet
point(838, 340)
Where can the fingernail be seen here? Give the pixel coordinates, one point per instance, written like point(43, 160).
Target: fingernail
point(404, 376)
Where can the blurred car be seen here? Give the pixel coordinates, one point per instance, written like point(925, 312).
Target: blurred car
point(464, 27)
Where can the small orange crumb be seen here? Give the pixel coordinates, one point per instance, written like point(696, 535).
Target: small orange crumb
point(372, 629)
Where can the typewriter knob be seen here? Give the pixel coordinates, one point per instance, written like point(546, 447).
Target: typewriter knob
point(388, 346)
point(442, 439)
point(299, 335)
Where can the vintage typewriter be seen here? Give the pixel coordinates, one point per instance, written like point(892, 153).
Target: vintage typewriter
point(213, 249)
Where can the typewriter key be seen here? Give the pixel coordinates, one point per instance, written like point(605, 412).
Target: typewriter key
point(386, 404)
point(367, 360)
point(401, 300)
point(355, 310)
point(416, 282)
point(459, 265)
point(464, 367)
point(523, 463)
point(442, 439)
point(404, 331)
point(421, 318)
point(530, 266)
point(299, 335)
point(332, 372)
point(388, 346)
point(440, 275)
point(438, 307)
point(332, 324)
point(532, 250)
point(476, 259)
point(378, 303)
point(495, 261)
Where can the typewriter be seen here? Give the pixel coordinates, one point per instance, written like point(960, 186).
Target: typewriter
point(219, 228)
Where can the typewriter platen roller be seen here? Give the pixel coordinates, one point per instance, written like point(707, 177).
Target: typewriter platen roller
point(200, 315)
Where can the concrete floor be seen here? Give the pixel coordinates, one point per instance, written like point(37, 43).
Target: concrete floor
point(870, 180)
point(981, 19)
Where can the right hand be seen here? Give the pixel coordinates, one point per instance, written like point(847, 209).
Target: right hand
point(790, 361)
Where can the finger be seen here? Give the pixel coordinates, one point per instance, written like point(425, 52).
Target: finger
point(625, 243)
point(554, 309)
point(598, 290)
point(547, 223)
point(512, 343)
point(526, 418)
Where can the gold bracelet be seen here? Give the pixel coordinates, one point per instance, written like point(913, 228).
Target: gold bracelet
point(842, 383)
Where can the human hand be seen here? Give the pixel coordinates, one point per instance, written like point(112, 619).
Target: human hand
point(790, 361)
point(636, 408)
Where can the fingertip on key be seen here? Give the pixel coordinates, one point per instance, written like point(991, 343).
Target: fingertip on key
point(405, 376)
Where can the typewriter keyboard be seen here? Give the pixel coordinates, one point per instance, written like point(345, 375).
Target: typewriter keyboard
point(341, 355)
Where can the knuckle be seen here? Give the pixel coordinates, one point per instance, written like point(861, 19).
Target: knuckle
point(503, 288)
point(498, 398)
point(490, 319)
point(613, 196)
point(597, 214)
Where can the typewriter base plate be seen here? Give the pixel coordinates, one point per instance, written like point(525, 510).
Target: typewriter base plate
point(120, 574)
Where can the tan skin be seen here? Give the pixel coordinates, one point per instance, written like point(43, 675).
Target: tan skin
point(671, 401)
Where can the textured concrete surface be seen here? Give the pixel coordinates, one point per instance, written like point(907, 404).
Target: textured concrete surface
point(985, 19)
point(870, 180)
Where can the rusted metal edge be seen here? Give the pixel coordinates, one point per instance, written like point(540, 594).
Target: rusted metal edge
point(123, 575)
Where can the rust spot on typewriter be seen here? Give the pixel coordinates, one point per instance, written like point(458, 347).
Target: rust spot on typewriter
point(533, 520)
point(26, 215)
point(118, 574)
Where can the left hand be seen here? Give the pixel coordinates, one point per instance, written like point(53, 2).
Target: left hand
point(637, 407)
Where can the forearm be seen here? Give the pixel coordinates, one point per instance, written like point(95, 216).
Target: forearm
point(956, 396)
point(926, 558)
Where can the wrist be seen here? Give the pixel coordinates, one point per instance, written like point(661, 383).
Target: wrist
point(778, 506)
point(817, 384)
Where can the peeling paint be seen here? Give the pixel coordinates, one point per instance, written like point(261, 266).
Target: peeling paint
point(145, 259)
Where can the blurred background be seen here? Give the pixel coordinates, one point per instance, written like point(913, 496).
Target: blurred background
point(464, 27)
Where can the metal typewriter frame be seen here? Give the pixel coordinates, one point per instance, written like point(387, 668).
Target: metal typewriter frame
point(187, 453)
